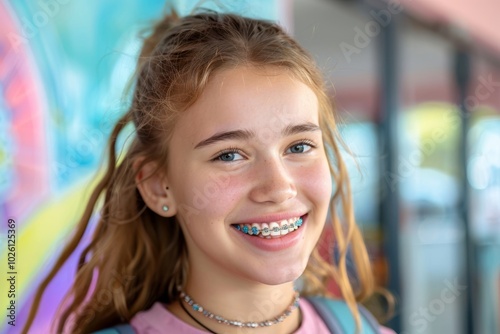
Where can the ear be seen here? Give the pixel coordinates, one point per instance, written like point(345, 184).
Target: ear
point(153, 185)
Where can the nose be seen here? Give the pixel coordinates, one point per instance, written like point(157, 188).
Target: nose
point(273, 182)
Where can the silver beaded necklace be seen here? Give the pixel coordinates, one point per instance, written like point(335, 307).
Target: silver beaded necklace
point(198, 308)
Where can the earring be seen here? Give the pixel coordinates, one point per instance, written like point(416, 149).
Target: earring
point(165, 208)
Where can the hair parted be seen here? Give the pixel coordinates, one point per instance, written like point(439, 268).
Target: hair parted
point(137, 257)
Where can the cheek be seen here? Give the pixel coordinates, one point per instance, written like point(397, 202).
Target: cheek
point(208, 194)
point(316, 181)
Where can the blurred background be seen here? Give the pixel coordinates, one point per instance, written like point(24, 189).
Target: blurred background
point(417, 88)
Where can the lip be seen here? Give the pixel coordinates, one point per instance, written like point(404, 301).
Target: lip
point(275, 244)
point(272, 218)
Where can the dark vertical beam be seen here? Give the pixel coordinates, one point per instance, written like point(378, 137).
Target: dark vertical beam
point(462, 78)
point(389, 210)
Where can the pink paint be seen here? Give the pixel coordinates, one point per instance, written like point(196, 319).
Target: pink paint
point(26, 106)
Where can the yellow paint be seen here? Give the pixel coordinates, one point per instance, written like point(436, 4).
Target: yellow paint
point(43, 237)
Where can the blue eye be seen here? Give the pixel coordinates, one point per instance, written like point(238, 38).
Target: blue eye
point(234, 154)
point(301, 147)
point(228, 156)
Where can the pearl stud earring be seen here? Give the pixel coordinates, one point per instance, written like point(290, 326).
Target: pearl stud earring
point(165, 208)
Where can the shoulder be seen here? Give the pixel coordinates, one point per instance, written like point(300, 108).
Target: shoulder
point(153, 320)
point(337, 316)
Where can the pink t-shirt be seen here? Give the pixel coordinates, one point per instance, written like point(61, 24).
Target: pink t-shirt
point(158, 320)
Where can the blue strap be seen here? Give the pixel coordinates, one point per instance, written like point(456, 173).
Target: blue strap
point(338, 317)
point(119, 329)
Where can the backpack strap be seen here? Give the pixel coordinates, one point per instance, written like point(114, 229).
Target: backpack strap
point(338, 317)
point(118, 329)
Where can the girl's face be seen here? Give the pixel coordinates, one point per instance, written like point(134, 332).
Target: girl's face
point(249, 154)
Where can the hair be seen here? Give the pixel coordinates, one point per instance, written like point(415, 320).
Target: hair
point(136, 257)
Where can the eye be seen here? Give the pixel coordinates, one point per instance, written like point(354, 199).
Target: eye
point(301, 147)
point(228, 155)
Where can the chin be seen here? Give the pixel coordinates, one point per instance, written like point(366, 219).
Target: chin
point(281, 275)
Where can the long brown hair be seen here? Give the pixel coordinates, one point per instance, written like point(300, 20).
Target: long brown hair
point(136, 257)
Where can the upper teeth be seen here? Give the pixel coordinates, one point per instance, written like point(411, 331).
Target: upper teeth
point(277, 228)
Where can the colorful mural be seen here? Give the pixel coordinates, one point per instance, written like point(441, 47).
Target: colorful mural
point(64, 65)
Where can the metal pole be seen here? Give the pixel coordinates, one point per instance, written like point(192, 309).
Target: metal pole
point(462, 77)
point(389, 205)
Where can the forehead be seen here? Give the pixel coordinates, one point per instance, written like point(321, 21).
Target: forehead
point(248, 98)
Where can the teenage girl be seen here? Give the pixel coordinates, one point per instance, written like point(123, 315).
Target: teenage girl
point(211, 218)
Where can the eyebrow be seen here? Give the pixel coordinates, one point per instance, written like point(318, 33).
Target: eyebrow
point(247, 134)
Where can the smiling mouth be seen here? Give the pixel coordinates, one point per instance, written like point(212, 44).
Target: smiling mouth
point(270, 230)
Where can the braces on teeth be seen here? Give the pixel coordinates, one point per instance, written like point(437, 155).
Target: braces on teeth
point(268, 231)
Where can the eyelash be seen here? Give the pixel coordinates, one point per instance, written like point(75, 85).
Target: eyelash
point(237, 150)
